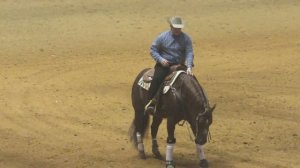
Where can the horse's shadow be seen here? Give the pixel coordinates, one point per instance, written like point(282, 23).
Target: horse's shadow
point(220, 160)
point(193, 162)
point(190, 160)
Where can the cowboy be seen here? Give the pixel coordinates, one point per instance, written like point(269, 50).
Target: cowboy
point(171, 47)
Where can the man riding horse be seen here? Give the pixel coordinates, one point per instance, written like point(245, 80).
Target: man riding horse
point(171, 47)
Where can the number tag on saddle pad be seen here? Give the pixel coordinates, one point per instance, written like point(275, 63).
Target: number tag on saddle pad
point(143, 84)
point(146, 85)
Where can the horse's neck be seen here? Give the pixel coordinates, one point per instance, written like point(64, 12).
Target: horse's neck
point(192, 92)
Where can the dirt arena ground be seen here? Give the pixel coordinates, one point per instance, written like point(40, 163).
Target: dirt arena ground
point(67, 66)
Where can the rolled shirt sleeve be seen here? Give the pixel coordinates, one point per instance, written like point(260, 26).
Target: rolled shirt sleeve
point(154, 49)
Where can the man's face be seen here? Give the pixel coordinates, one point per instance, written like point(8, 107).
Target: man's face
point(176, 31)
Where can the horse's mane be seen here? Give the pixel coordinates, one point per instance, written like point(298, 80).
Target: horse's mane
point(192, 90)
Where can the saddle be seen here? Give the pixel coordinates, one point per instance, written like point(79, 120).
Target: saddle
point(175, 70)
point(148, 75)
point(145, 82)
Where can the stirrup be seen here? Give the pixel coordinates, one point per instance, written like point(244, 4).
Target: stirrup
point(150, 108)
point(149, 103)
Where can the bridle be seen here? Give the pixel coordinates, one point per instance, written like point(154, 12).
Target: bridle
point(206, 112)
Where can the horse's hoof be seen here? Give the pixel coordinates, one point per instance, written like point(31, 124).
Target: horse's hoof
point(159, 157)
point(157, 154)
point(142, 155)
point(170, 164)
point(203, 163)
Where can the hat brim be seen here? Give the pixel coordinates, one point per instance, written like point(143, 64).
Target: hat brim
point(179, 26)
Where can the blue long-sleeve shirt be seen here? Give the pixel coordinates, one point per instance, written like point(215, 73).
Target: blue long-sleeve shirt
point(175, 49)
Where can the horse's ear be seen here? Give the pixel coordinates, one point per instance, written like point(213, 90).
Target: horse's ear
point(213, 108)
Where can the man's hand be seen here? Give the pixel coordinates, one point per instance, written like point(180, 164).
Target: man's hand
point(164, 63)
point(189, 71)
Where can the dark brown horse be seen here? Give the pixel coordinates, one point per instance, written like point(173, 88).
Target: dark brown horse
point(185, 100)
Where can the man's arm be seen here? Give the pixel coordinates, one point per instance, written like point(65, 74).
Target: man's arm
point(154, 49)
point(189, 53)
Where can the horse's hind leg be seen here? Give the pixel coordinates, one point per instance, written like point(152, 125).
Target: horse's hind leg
point(141, 122)
point(140, 146)
point(154, 129)
point(138, 129)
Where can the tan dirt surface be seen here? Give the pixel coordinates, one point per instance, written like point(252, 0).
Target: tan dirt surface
point(67, 67)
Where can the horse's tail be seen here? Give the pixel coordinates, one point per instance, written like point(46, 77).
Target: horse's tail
point(139, 124)
point(132, 134)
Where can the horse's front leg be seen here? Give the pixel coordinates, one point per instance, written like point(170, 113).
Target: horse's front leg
point(199, 148)
point(154, 129)
point(170, 143)
point(201, 155)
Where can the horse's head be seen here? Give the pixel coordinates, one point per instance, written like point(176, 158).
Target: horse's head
point(203, 121)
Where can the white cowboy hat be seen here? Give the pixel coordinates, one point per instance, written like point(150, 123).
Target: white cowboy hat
point(176, 22)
